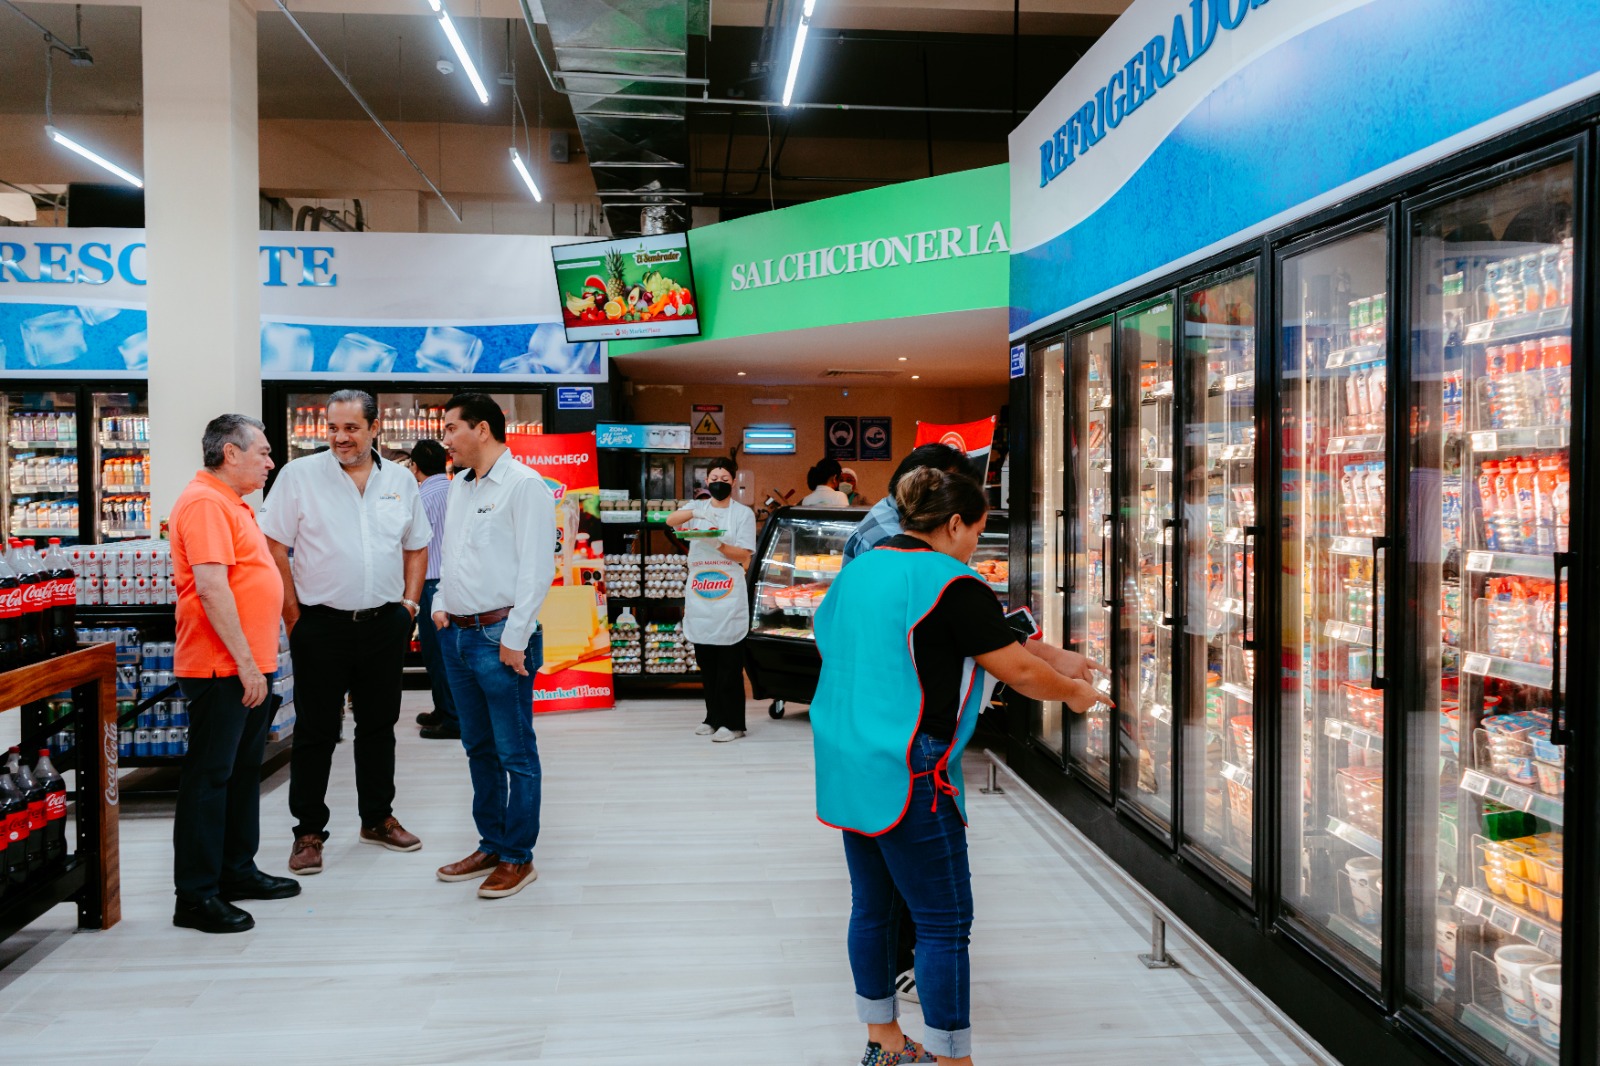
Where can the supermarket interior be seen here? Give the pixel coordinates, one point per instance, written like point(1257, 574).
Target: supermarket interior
point(1262, 326)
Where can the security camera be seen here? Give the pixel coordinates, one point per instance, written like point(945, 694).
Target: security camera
point(445, 66)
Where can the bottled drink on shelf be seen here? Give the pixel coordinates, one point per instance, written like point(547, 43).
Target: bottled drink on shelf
point(14, 830)
point(55, 806)
point(1532, 283)
point(30, 578)
point(33, 798)
point(10, 617)
point(61, 618)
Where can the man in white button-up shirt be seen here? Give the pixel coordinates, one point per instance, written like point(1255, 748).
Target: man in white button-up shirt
point(360, 541)
point(499, 559)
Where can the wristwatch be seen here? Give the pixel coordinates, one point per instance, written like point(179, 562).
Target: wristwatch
point(416, 608)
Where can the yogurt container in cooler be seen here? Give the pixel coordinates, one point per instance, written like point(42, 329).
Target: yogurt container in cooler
point(1545, 983)
point(1552, 778)
point(1514, 964)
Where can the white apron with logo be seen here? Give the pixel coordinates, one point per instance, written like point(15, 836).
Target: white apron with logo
point(716, 607)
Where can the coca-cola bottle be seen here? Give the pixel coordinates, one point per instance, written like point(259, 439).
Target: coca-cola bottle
point(10, 617)
point(30, 628)
point(14, 826)
point(33, 795)
point(61, 635)
point(55, 806)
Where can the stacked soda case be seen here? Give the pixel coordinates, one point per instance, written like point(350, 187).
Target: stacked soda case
point(33, 820)
point(134, 574)
point(666, 650)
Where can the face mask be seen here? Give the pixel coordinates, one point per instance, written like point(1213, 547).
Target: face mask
point(847, 487)
point(720, 490)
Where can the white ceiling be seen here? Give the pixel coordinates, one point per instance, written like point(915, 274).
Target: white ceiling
point(961, 348)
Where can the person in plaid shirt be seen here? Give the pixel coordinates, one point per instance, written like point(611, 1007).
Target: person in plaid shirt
point(883, 520)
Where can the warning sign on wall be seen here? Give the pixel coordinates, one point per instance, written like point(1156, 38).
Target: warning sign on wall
point(706, 421)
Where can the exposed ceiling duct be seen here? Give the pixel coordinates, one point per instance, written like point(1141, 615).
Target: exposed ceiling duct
point(624, 66)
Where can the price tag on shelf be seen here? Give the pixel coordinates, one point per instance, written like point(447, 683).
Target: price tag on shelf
point(1475, 663)
point(1517, 1054)
point(1485, 442)
point(1478, 562)
point(1501, 918)
point(1478, 332)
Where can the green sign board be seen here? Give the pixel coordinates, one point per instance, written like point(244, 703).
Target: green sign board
point(919, 248)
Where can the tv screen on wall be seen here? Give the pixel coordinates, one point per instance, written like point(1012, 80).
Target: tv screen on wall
point(635, 288)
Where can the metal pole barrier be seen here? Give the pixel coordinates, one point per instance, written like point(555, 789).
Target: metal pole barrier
point(1158, 959)
point(993, 787)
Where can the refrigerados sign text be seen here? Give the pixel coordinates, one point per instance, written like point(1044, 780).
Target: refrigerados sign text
point(952, 242)
point(98, 263)
point(1149, 70)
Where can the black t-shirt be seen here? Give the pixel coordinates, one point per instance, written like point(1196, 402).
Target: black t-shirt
point(966, 621)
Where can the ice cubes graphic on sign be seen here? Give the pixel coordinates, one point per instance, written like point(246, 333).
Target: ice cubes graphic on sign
point(448, 350)
point(54, 338)
point(93, 316)
point(549, 353)
point(135, 351)
point(357, 353)
point(286, 349)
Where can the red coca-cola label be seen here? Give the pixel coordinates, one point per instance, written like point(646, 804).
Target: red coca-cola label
point(11, 602)
point(17, 826)
point(36, 815)
point(55, 806)
point(66, 591)
point(36, 597)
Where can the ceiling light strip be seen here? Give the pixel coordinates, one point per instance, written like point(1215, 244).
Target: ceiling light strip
point(799, 49)
point(461, 54)
point(99, 160)
point(522, 168)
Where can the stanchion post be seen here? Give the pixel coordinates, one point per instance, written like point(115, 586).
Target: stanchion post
point(1158, 959)
point(993, 787)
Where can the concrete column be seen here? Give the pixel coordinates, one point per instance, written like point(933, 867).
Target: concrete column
point(202, 219)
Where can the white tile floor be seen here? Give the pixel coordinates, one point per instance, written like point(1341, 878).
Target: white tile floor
point(689, 912)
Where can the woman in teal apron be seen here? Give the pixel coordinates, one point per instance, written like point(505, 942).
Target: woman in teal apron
point(912, 640)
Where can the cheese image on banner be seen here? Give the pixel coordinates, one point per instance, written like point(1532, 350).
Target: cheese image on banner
point(576, 673)
point(975, 439)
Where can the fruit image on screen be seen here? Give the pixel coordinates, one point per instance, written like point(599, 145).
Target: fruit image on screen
point(636, 288)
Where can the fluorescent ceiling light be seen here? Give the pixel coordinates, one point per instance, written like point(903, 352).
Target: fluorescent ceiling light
point(522, 168)
point(461, 53)
point(799, 48)
point(435, 5)
point(98, 160)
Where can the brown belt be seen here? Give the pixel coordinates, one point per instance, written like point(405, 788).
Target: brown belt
point(483, 618)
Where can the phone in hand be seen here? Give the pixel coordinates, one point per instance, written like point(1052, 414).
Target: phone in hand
point(1022, 623)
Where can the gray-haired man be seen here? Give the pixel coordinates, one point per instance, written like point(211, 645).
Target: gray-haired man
point(360, 540)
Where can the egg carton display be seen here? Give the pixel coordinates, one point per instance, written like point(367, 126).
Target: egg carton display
point(130, 574)
point(667, 651)
point(665, 576)
point(625, 575)
point(627, 655)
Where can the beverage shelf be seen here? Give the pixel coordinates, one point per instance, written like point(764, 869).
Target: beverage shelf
point(1508, 917)
point(1357, 546)
point(1514, 670)
point(37, 445)
point(1515, 327)
point(1506, 440)
point(1356, 355)
point(1516, 1047)
point(1240, 382)
point(1516, 564)
point(44, 490)
point(1161, 713)
point(1348, 632)
point(1231, 452)
point(1355, 836)
point(1238, 692)
point(1518, 797)
point(1339, 729)
point(1358, 444)
point(124, 445)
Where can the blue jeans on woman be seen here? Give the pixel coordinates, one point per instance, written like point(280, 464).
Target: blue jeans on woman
point(495, 706)
point(925, 858)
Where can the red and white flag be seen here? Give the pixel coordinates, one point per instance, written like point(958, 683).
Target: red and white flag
point(973, 438)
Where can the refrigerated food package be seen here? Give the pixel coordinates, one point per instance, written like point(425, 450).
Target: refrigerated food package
point(1361, 797)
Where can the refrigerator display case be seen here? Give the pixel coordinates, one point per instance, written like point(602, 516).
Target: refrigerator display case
point(1049, 584)
point(122, 458)
point(1334, 551)
point(800, 553)
point(42, 482)
point(1491, 513)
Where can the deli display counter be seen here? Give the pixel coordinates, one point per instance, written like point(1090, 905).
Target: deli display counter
point(800, 553)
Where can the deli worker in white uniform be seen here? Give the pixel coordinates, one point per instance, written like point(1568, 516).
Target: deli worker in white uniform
point(716, 611)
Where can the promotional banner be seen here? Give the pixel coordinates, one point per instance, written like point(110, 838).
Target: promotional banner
point(350, 306)
point(634, 288)
point(1193, 125)
point(576, 674)
point(973, 438)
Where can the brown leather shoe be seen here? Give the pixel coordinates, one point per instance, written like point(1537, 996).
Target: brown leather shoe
point(306, 857)
point(478, 864)
point(508, 879)
point(390, 834)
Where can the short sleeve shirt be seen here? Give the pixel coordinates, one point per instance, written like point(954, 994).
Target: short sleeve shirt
point(212, 524)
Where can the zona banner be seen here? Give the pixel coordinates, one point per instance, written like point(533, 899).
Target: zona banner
point(576, 674)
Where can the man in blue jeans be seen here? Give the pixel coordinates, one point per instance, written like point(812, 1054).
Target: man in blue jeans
point(433, 484)
point(497, 562)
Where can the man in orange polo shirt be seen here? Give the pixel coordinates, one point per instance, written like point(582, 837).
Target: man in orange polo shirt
point(229, 601)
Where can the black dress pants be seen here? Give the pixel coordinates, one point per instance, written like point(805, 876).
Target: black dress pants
point(217, 825)
point(722, 679)
point(334, 655)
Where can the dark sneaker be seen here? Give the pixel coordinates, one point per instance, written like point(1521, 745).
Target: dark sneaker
point(390, 834)
point(478, 864)
point(876, 1056)
point(508, 879)
point(440, 731)
point(215, 915)
point(261, 886)
point(306, 858)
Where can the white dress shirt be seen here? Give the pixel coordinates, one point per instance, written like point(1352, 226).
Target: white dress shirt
point(825, 496)
point(348, 545)
point(499, 547)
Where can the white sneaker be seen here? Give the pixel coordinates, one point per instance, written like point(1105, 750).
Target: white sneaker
point(702, 730)
point(723, 735)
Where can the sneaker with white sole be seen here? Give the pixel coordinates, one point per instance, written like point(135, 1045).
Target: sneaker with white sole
point(723, 735)
point(905, 986)
point(703, 729)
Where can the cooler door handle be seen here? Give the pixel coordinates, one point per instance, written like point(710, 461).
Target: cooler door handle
point(1379, 544)
point(1168, 533)
point(1061, 540)
point(1246, 556)
point(1559, 733)
point(1105, 560)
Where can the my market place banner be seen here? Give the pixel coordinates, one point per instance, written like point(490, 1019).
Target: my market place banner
point(974, 439)
point(576, 674)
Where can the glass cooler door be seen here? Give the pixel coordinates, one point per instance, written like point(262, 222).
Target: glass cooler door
point(1091, 523)
point(1150, 587)
point(1047, 578)
point(1219, 540)
point(1491, 421)
point(41, 477)
point(1334, 555)
point(122, 457)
